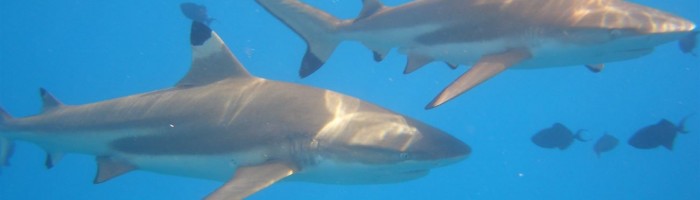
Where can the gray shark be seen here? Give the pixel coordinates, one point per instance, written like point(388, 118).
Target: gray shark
point(221, 123)
point(490, 35)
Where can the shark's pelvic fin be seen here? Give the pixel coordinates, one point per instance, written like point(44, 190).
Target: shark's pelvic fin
point(369, 8)
point(452, 65)
point(595, 68)
point(415, 62)
point(315, 26)
point(250, 179)
point(487, 67)
point(50, 102)
point(108, 168)
point(52, 159)
point(212, 60)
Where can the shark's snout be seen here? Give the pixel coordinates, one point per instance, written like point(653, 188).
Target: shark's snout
point(438, 145)
point(626, 15)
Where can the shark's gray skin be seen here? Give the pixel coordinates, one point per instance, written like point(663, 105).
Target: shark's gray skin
point(557, 136)
point(221, 123)
point(605, 143)
point(490, 35)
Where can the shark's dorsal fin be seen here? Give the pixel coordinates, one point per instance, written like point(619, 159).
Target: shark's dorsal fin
point(369, 8)
point(108, 168)
point(487, 67)
point(49, 101)
point(212, 60)
point(250, 179)
point(52, 159)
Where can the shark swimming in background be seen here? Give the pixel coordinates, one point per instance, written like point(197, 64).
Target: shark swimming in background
point(489, 35)
point(221, 123)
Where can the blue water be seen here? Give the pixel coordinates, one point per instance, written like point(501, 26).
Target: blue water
point(86, 51)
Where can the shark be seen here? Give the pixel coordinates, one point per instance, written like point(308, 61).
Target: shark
point(221, 123)
point(489, 35)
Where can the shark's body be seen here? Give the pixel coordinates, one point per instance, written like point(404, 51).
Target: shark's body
point(491, 35)
point(221, 123)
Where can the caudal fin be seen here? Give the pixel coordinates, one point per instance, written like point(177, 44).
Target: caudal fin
point(315, 26)
point(579, 135)
point(681, 124)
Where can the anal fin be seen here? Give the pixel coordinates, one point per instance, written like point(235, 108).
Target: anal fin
point(250, 179)
point(108, 168)
point(487, 67)
point(595, 68)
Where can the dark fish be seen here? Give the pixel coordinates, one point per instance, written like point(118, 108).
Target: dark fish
point(557, 136)
point(689, 42)
point(606, 143)
point(196, 13)
point(660, 134)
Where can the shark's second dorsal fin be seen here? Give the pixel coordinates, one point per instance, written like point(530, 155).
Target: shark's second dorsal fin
point(369, 8)
point(49, 101)
point(212, 60)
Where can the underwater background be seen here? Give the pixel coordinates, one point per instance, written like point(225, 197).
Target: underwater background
point(86, 51)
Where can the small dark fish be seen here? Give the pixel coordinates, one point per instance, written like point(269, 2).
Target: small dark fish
point(557, 136)
point(660, 134)
point(689, 43)
point(606, 143)
point(196, 13)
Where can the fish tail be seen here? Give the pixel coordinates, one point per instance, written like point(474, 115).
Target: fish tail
point(681, 124)
point(316, 27)
point(6, 145)
point(579, 135)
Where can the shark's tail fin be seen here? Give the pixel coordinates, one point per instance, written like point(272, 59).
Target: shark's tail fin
point(681, 124)
point(6, 145)
point(315, 26)
point(579, 135)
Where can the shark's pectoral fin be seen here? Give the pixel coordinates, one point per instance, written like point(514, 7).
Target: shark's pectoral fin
point(108, 168)
point(415, 62)
point(52, 159)
point(250, 179)
point(595, 68)
point(487, 67)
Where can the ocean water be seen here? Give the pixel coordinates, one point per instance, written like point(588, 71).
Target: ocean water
point(87, 51)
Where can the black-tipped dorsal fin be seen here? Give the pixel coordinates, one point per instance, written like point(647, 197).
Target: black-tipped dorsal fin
point(212, 60)
point(49, 101)
point(369, 8)
point(108, 168)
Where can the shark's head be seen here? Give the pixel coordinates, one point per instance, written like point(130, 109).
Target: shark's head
point(625, 29)
point(366, 144)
